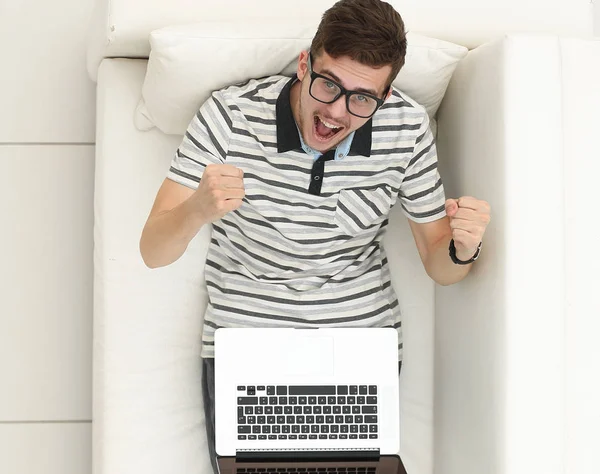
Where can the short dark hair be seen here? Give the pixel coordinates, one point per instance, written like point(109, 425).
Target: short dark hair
point(368, 31)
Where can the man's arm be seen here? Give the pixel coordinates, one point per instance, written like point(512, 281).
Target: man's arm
point(179, 212)
point(466, 221)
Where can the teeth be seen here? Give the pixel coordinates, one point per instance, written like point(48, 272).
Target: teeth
point(329, 125)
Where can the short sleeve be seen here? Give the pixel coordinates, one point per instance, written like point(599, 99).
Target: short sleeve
point(205, 142)
point(422, 193)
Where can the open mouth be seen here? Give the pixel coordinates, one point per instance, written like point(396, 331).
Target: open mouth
point(324, 131)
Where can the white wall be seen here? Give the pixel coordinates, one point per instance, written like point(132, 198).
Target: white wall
point(47, 108)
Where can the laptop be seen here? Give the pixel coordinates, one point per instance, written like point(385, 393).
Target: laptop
point(307, 400)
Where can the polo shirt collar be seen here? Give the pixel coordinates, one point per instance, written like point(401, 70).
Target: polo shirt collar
point(288, 137)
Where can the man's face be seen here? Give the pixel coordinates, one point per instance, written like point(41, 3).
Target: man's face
point(316, 119)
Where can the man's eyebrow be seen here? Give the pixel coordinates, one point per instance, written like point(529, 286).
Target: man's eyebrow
point(360, 89)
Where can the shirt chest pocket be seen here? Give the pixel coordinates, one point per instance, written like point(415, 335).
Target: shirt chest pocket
point(361, 209)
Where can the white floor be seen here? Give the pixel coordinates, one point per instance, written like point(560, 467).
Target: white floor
point(47, 134)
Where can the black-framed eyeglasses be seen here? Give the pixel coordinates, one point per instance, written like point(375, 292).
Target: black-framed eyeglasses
point(327, 91)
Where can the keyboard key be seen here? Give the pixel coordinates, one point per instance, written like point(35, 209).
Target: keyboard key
point(320, 419)
point(358, 419)
point(322, 400)
point(303, 437)
point(256, 429)
point(290, 420)
point(370, 418)
point(307, 409)
point(353, 428)
point(312, 400)
point(372, 389)
point(369, 409)
point(355, 409)
point(312, 436)
point(280, 420)
point(316, 409)
point(247, 400)
point(272, 436)
point(258, 410)
point(263, 400)
point(248, 410)
point(266, 429)
point(342, 389)
point(372, 428)
point(326, 409)
point(295, 429)
point(252, 437)
point(335, 429)
point(344, 428)
point(298, 410)
point(363, 436)
point(278, 410)
point(362, 389)
point(244, 429)
point(337, 410)
point(333, 436)
point(350, 400)
point(242, 437)
point(261, 420)
point(353, 436)
point(347, 409)
point(276, 429)
point(272, 400)
point(271, 390)
point(241, 387)
point(364, 429)
point(262, 437)
point(282, 436)
point(293, 437)
point(343, 436)
point(282, 390)
point(285, 429)
point(341, 400)
point(340, 419)
point(283, 400)
point(260, 387)
point(324, 428)
point(353, 389)
point(312, 389)
point(268, 410)
point(329, 419)
point(373, 436)
point(322, 436)
point(314, 428)
point(241, 420)
point(251, 420)
point(371, 400)
point(293, 400)
point(288, 410)
point(331, 400)
point(360, 400)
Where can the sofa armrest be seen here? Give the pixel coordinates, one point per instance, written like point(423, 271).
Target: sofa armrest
point(499, 333)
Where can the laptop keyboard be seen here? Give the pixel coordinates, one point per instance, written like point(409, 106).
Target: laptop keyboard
point(309, 470)
point(307, 412)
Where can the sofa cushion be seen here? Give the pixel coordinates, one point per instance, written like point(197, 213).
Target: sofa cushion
point(188, 62)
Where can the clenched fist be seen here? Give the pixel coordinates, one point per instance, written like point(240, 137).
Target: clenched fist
point(469, 218)
point(220, 191)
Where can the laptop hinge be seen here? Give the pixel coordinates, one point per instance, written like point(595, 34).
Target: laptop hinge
point(312, 455)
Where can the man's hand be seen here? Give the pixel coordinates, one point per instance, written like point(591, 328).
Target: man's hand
point(220, 191)
point(469, 218)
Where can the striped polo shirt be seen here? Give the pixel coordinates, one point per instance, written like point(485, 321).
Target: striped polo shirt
point(304, 249)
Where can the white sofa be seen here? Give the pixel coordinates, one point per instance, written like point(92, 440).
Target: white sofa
point(496, 369)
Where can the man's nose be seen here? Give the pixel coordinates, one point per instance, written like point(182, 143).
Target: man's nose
point(337, 109)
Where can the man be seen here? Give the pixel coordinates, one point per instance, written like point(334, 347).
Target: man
point(298, 177)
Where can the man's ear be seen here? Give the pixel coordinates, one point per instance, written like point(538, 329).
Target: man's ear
point(302, 65)
point(389, 94)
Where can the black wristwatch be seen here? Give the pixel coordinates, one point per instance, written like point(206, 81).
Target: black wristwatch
point(452, 252)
